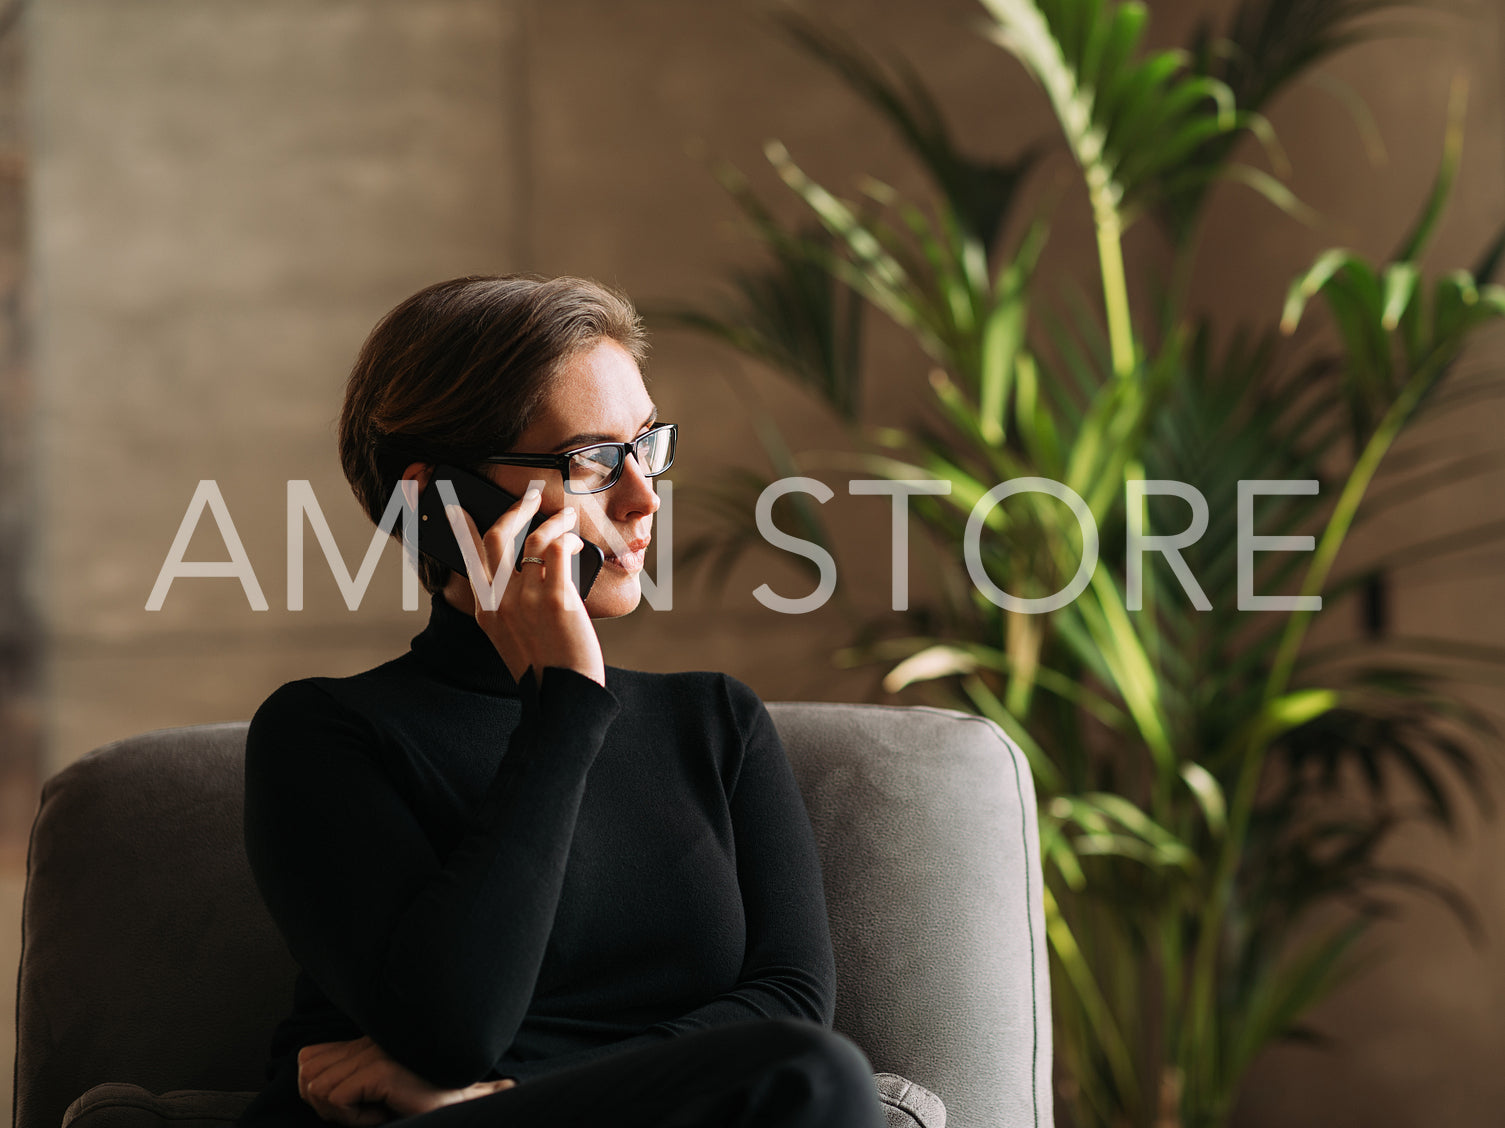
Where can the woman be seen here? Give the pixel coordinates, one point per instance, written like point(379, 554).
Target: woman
point(525, 888)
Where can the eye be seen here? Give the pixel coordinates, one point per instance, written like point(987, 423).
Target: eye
point(594, 464)
point(601, 457)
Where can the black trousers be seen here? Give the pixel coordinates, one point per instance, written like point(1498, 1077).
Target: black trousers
point(778, 1073)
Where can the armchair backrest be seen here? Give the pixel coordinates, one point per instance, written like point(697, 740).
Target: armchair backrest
point(929, 846)
point(146, 953)
point(147, 956)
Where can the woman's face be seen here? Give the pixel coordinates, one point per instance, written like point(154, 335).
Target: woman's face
point(597, 397)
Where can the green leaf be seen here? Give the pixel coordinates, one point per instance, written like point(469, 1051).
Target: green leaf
point(1002, 338)
point(1292, 989)
point(1316, 277)
point(1401, 280)
point(1289, 710)
point(1452, 152)
point(1209, 795)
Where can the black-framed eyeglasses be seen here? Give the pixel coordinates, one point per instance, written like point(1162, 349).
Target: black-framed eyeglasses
point(591, 469)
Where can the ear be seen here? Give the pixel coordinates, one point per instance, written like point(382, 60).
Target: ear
point(420, 472)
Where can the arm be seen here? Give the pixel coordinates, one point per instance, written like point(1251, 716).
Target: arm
point(788, 970)
point(357, 1084)
point(435, 961)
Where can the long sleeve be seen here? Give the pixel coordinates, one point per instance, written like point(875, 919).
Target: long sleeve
point(788, 970)
point(435, 959)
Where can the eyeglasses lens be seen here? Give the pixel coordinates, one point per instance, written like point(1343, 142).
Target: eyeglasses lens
point(653, 450)
point(596, 468)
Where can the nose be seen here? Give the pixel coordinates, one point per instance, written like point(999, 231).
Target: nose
point(633, 492)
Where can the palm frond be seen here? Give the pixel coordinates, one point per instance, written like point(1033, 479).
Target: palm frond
point(1265, 47)
point(981, 193)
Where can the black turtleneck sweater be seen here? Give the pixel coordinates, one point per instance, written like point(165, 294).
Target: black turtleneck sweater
point(494, 879)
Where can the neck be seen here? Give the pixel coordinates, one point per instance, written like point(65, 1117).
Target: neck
point(457, 594)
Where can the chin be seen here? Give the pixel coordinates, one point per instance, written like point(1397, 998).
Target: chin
point(612, 596)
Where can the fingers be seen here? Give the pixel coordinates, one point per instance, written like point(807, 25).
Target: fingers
point(476, 1091)
point(341, 1081)
point(503, 535)
point(495, 546)
point(354, 1079)
point(316, 1058)
point(533, 611)
point(489, 558)
point(552, 542)
point(557, 564)
point(556, 526)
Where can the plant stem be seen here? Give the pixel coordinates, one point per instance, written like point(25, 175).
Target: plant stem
point(1110, 255)
point(1253, 758)
point(1333, 536)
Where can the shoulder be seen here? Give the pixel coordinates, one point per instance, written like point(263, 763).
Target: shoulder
point(305, 720)
point(699, 690)
point(311, 699)
point(713, 713)
point(300, 700)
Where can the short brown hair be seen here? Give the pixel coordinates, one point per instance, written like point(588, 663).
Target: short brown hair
point(458, 370)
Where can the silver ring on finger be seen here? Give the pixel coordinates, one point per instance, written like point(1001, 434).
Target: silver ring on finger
point(530, 560)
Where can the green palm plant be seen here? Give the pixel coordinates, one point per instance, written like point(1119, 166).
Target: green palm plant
point(1188, 755)
point(1267, 45)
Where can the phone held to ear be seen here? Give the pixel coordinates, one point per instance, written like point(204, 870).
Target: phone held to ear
point(485, 502)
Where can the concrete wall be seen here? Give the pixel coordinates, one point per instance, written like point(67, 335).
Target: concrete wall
point(227, 196)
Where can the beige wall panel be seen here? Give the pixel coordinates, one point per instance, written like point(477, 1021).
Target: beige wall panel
point(227, 197)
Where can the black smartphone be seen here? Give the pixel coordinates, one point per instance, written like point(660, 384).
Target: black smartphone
point(485, 502)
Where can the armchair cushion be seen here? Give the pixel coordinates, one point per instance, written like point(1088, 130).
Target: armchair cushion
point(907, 1105)
point(118, 1105)
point(148, 958)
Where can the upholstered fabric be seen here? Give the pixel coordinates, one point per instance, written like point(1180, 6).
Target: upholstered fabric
point(146, 956)
point(907, 1105)
point(118, 1105)
point(148, 960)
point(925, 821)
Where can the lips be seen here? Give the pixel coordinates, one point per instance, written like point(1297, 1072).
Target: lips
point(631, 559)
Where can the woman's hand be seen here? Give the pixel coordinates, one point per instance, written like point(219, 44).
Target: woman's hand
point(355, 1083)
point(540, 619)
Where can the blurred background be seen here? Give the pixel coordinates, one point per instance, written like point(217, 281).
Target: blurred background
point(205, 207)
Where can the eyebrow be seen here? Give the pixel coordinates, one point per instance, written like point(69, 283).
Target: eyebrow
point(585, 438)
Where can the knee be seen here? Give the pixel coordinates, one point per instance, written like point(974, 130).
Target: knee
point(836, 1074)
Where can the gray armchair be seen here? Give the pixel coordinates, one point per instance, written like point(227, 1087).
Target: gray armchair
point(148, 959)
